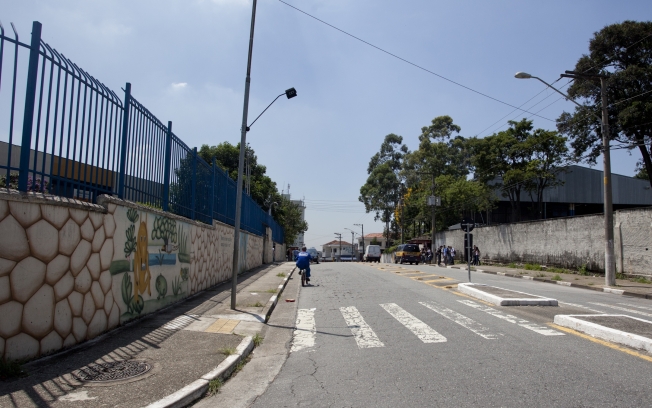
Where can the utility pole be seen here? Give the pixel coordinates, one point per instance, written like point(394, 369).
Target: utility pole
point(609, 257)
point(339, 236)
point(243, 145)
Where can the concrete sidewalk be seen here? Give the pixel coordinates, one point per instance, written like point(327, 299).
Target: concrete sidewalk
point(623, 287)
point(150, 360)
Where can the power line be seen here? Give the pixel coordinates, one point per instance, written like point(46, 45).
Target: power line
point(409, 62)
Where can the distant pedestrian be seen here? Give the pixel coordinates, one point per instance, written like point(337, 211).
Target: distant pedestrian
point(438, 255)
point(476, 255)
point(446, 254)
point(453, 255)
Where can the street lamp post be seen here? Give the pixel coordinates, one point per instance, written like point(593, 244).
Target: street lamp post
point(290, 93)
point(400, 204)
point(352, 241)
point(363, 247)
point(609, 258)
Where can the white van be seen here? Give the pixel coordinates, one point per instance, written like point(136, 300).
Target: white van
point(372, 253)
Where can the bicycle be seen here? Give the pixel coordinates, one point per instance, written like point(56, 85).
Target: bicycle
point(304, 279)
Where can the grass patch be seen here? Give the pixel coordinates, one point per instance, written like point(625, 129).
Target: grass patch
point(512, 265)
point(240, 365)
point(271, 290)
point(227, 351)
point(257, 304)
point(257, 339)
point(11, 369)
point(556, 277)
point(532, 267)
point(642, 279)
point(577, 278)
point(590, 283)
point(280, 275)
point(558, 270)
point(540, 275)
point(214, 387)
point(583, 270)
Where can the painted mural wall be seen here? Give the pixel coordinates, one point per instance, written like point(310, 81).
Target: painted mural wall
point(70, 270)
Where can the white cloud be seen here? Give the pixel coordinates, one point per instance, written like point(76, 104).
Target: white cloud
point(179, 85)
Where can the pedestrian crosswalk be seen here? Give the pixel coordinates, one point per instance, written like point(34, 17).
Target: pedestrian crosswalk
point(365, 336)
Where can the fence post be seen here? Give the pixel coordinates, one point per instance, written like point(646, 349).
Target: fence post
point(30, 99)
point(166, 169)
point(213, 193)
point(194, 183)
point(123, 147)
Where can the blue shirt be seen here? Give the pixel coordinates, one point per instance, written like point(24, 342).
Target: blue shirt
point(303, 260)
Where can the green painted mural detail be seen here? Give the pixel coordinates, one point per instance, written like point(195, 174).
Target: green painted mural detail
point(130, 243)
point(185, 272)
point(176, 286)
point(162, 286)
point(166, 230)
point(184, 252)
point(127, 297)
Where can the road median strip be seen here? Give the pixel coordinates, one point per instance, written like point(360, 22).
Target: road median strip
point(614, 291)
point(504, 297)
point(608, 327)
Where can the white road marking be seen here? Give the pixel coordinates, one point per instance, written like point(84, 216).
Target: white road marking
point(513, 319)
point(424, 332)
point(582, 307)
point(363, 334)
point(460, 319)
point(305, 332)
point(636, 306)
point(180, 322)
point(624, 309)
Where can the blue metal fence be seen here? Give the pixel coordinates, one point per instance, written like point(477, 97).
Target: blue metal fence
point(80, 139)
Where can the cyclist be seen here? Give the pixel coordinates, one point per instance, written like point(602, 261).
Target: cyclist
point(303, 263)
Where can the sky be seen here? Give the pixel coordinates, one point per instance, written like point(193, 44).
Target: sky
point(186, 61)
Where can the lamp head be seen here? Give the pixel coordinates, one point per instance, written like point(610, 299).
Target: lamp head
point(522, 75)
point(290, 93)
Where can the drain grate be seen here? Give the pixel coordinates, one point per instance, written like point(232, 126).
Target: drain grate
point(119, 370)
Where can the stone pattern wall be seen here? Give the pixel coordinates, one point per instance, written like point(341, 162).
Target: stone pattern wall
point(55, 286)
point(567, 242)
point(211, 260)
point(66, 275)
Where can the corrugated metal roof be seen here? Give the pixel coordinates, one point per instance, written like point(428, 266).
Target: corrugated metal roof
point(582, 185)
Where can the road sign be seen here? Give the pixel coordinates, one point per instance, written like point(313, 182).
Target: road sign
point(434, 201)
point(467, 226)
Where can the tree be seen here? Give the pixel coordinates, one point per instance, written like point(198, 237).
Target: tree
point(288, 215)
point(227, 156)
point(641, 171)
point(622, 51)
point(502, 160)
point(548, 158)
point(384, 186)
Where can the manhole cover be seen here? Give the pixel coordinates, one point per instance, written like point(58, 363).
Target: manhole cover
point(119, 370)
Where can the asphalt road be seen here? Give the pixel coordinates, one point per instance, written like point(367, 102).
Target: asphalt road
point(372, 337)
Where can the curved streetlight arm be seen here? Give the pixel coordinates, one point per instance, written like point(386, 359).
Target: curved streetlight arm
point(523, 75)
point(290, 93)
point(261, 114)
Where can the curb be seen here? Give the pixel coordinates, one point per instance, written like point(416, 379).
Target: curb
point(606, 333)
point(468, 288)
point(271, 303)
point(196, 389)
point(571, 284)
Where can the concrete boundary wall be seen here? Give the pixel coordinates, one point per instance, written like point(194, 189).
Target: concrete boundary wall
point(70, 270)
point(569, 242)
